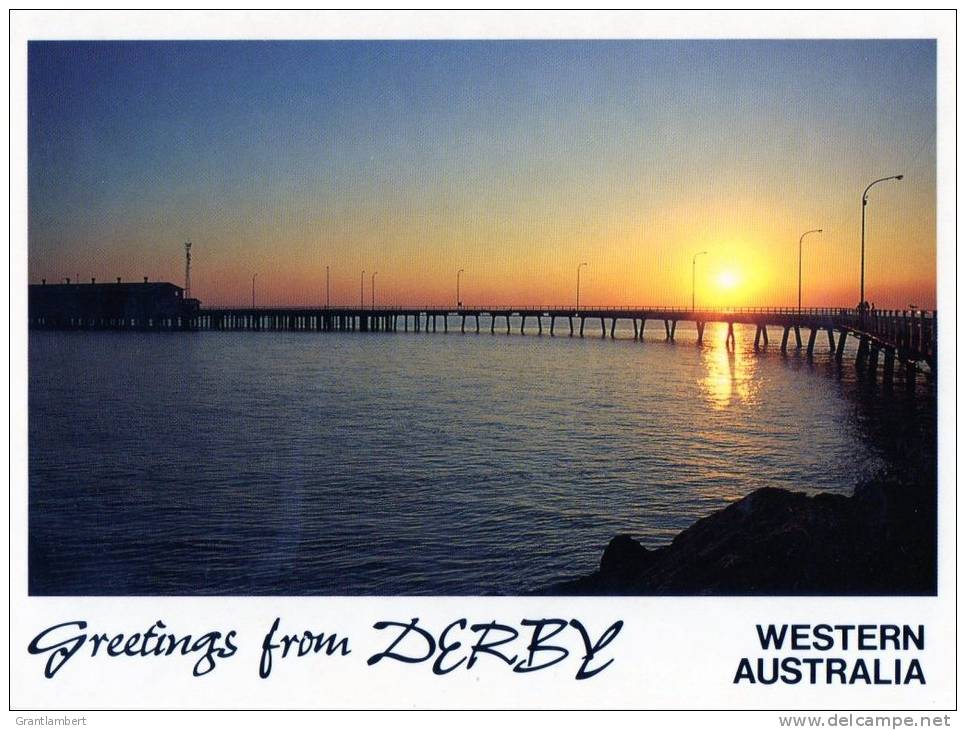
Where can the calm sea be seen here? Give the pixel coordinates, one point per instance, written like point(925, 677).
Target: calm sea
point(347, 464)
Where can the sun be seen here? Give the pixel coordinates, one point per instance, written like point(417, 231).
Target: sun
point(728, 280)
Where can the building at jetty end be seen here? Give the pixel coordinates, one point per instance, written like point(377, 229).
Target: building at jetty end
point(121, 305)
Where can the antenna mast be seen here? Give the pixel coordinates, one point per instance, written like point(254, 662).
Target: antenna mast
point(187, 269)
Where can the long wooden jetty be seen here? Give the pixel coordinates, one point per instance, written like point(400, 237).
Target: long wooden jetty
point(903, 338)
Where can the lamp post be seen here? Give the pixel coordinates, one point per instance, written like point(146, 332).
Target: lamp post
point(865, 201)
point(459, 301)
point(253, 290)
point(326, 287)
point(802, 238)
point(694, 264)
point(372, 289)
point(362, 280)
point(578, 283)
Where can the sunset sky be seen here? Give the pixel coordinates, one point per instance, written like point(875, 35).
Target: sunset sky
point(514, 161)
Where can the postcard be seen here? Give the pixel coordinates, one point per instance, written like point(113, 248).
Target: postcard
point(491, 360)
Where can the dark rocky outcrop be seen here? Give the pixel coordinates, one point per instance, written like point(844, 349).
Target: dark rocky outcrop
point(880, 541)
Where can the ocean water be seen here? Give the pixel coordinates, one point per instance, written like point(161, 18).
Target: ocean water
point(216, 463)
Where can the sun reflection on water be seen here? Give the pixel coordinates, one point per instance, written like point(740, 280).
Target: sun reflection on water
point(728, 373)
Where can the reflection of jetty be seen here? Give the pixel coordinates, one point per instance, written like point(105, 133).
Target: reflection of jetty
point(903, 338)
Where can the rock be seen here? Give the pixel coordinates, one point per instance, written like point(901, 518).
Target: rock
point(622, 552)
point(778, 542)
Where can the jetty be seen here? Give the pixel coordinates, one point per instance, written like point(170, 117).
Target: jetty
point(901, 339)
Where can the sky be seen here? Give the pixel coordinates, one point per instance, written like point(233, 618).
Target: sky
point(512, 160)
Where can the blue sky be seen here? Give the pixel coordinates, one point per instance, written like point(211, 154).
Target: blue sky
point(415, 158)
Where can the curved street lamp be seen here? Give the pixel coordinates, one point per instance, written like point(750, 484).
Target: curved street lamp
point(362, 298)
point(459, 302)
point(372, 289)
point(694, 263)
point(253, 290)
point(578, 283)
point(802, 238)
point(865, 201)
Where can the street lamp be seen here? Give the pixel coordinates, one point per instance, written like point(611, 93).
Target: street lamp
point(815, 230)
point(578, 283)
point(459, 302)
point(362, 279)
point(372, 289)
point(253, 290)
point(326, 287)
point(694, 264)
point(865, 201)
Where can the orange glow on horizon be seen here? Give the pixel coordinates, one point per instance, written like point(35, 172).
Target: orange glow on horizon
point(737, 152)
point(623, 268)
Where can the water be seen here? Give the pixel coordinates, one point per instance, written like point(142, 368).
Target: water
point(399, 464)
